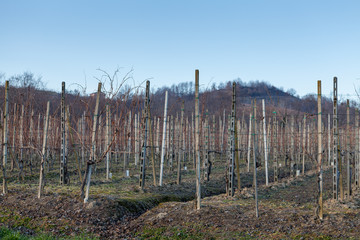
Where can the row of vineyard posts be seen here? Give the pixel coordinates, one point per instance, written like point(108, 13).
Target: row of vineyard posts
point(282, 145)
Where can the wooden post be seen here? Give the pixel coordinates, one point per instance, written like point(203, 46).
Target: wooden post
point(292, 163)
point(357, 148)
point(275, 149)
point(319, 158)
point(168, 140)
point(348, 180)
point(31, 130)
point(13, 148)
point(223, 132)
point(38, 131)
point(157, 136)
point(329, 140)
point(63, 167)
point(43, 156)
point(21, 141)
point(254, 154)
point(107, 140)
point(136, 140)
point(197, 136)
point(249, 144)
point(163, 140)
point(152, 148)
point(5, 134)
point(231, 160)
point(207, 148)
point(265, 145)
point(67, 141)
point(237, 156)
point(303, 145)
point(145, 130)
point(83, 139)
point(128, 145)
point(180, 140)
point(172, 145)
point(91, 161)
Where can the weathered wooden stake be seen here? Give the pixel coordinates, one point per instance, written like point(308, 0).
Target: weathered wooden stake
point(275, 149)
point(145, 132)
point(303, 145)
point(292, 149)
point(163, 141)
point(63, 157)
point(237, 156)
point(5, 134)
point(43, 156)
point(265, 145)
point(231, 160)
point(348, 171)
point(329, 140)
point(254, 155)
point(180, 139)
point(319, 158)
point(91, 161)
point(357, 148)
point(107, 140)
point(137, 152)
point(249, 144)
point(197, 137)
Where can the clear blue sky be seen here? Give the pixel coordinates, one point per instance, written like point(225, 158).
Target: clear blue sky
point(288, 43)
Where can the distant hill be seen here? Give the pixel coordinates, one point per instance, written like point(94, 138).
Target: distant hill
point(214, 99)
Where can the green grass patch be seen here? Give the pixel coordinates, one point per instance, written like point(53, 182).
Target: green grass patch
point(9, 234)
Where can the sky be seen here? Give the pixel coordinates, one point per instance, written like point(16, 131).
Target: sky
point(287, 43)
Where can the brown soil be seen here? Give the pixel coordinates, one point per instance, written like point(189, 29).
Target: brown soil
point(286, 210)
